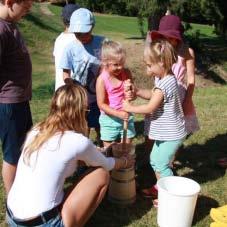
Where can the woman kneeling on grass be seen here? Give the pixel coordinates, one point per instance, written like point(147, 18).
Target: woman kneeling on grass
point(50, 154)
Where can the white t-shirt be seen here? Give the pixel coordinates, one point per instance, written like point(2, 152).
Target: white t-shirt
point(39, 187)
point(60, 43)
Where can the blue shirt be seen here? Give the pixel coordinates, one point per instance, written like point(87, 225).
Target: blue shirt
point(84, 61)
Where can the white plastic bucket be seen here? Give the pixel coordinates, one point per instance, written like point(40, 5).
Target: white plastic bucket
point(177, 198)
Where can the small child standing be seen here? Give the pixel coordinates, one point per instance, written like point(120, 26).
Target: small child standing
point(167, 127)
point(172, 30)
point(82, 58)
point(61, 42)
point(110, 94)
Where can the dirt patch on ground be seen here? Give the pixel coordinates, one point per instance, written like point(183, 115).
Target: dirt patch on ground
point(205, 77)
point(44, 9)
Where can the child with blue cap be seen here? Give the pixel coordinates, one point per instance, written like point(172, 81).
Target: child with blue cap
point(82, 58)
point(61, 42)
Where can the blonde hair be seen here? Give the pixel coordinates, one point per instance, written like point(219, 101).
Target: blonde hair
point(160, 51)
point(112, 50)
point(67, 112)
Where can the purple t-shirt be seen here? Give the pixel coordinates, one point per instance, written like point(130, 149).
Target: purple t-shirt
point(15, 65)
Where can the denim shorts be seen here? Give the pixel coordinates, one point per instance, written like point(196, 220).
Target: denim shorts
point(93, 115)
point(112, 127)
point(53, 222)
point(15, 121)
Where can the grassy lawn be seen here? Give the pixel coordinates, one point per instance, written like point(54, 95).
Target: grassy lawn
point(197, 159)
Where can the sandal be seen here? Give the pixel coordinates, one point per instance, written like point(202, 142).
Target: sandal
point(150, 192)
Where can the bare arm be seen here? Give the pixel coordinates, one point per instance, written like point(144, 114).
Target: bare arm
point(131, 91)
point(144, 93)
point(190, 66)
point(66, 76)
point(155, 101)
point(103, 101)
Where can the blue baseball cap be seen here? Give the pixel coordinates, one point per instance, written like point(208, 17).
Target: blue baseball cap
point(67, 11)
point(81, 21)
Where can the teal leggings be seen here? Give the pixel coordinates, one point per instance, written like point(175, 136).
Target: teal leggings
point(162, 154)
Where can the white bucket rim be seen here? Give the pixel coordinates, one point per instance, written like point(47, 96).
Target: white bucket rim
point(179, 177)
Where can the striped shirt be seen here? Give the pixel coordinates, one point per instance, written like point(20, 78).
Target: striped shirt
point(167, 122)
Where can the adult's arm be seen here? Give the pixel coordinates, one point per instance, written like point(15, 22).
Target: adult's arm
point(190, 66)
point(93, 157)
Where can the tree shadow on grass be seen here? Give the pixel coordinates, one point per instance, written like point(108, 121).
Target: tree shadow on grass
point(201, 159)
point(111, 215)
point(216, 78)
point(213, 52)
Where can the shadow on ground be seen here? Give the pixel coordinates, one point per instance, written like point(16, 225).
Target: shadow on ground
point(203, 207)
point(201, 159)
point(213, 52)
point(120, 216)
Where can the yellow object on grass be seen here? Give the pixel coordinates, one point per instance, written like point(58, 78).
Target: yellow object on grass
point(218, 224)
point(219, 215)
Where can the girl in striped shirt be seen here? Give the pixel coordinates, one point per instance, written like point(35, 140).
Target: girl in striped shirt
point(167, 126)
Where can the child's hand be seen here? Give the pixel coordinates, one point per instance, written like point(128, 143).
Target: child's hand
point(129, 90)
point(127, 85)
point(123, 115)
point(126, 105)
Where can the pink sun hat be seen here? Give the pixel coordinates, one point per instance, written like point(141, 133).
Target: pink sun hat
point(170, 26)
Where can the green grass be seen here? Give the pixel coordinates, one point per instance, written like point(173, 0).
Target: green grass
point(196, 160)
point(111, 25)
point(205, 30)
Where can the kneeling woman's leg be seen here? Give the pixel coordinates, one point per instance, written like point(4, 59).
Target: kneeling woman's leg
point(84, 198)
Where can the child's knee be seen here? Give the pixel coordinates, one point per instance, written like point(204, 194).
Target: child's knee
point(166, 172)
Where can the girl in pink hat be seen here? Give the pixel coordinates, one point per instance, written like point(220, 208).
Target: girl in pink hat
point(167, 125)
point(171, 29)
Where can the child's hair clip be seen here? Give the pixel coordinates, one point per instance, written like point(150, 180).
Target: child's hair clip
point(162, 48)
